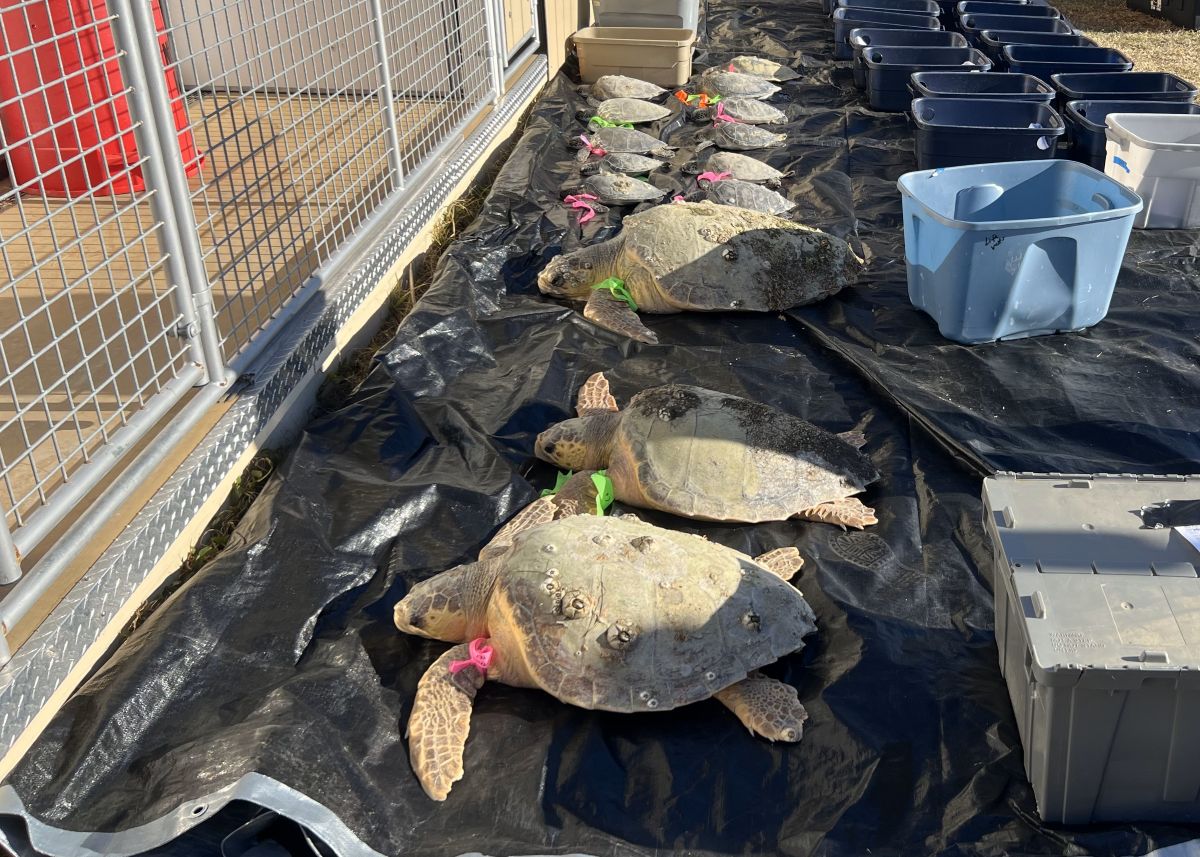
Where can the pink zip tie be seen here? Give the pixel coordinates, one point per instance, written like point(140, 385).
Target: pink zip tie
point(595, 150)
point(712, 177)
point(481, 657)
point(732, 67)
point(579, 201)
point(678, 198)
point(722, 116)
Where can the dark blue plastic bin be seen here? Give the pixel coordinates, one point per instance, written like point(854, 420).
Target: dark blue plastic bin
point(953, 132)
point(949, 13)
point(889, 70)
point(863, 38)
point(1123, 86)
point(1045, 61)
point(992, 42)
point(960, 84)
point(1086, 125)
point(1004, 251)
point(972, 25)
point(913, 7)
point(988, 7)
point(846, 20)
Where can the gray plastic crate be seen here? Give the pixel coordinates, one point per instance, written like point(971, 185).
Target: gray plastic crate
point(1098, 628)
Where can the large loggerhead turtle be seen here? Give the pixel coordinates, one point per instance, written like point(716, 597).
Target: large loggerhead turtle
point(702, 257)
point(605, 613)
point(712, 456)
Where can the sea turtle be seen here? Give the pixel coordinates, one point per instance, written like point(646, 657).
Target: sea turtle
point(610, 614)
point(740, 167)
point(748, 110)
point(703, 257)
point(731, 84)
point(732, 191)
point(740, 137)
point(631, 110)
point(626, 140)
point(622, 162)
point(617, 189)
point(761, 67)
point(712, 456)
point(620, 86)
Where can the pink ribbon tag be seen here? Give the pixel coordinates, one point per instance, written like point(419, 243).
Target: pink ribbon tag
point(678, 198)
point(480, 657)
point(595, 150)
point(722, 116)
point(580, 201)
point(712, 177)
point(732, 67)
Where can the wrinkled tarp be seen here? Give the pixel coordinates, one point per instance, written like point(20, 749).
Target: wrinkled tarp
point(278, 662)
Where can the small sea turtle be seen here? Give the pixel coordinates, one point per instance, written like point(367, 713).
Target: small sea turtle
point(748, 110)
point(761, 67)
point(702, 257)
point(733, 84)
point(712, 456)
point(739, 137)
point(740, 167)
point(622, 162)
point(631, 110)
point(742, 194)
point(620, 86)
point(610, 614)
point(623, 140)
point(617, 189)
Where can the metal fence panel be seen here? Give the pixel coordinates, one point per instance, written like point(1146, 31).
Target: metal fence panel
point(91, 308)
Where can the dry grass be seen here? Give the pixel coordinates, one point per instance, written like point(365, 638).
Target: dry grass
point(1153, 44)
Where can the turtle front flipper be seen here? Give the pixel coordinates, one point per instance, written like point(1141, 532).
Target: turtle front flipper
point(614, 314)
point(595, 396)
point(441, 719)
point(782, 562)
point(543, 510)
point(846, 512)
point(766, 707)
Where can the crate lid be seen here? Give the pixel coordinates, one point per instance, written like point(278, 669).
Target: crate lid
point(1104, 573)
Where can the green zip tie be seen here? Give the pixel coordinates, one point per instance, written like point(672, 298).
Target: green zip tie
point(559, 482)
point(604, 123)
point(616, 286)
point(604, 491)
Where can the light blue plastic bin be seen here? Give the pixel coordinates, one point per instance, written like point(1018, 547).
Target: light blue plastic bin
point(1024, 248)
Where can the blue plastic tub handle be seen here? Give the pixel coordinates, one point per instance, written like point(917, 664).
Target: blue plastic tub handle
point(1103, 201)
point(1121, 163)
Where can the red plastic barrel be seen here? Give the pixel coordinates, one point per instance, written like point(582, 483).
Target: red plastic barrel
point(63, 112)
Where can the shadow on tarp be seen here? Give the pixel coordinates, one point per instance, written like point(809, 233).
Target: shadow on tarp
point(275, 674)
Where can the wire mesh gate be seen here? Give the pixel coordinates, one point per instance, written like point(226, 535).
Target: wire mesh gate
point(179, 174)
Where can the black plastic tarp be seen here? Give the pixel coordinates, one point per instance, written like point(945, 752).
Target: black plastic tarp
point(275, 675)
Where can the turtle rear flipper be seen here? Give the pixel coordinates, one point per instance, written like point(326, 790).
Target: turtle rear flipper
point(784, 562)
point(441, 720)
point(847, 512)
point(615, 315)
point(766, 707)
point(595, 396)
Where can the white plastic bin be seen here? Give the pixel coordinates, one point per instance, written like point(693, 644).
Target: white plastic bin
point(1158, 157)
point(680, 14)
point(655, 54)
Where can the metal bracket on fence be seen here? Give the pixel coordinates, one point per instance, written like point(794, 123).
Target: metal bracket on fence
point(150, 104)
point(386, 96)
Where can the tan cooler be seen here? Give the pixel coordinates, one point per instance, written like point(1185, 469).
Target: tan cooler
point(656, 54)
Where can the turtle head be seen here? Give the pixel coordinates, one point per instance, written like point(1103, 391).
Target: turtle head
point(434, 608)
point(570, 275)
point(582, 443)
point(591, 168)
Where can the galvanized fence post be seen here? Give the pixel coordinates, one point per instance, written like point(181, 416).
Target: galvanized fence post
point(10, 565)
point(386, 96)
point(495, 37)
point(150, 100)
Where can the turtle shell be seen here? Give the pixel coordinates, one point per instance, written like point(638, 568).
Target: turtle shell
point(733, 84)
point(631, 110)
point(761, 67)
point(710, 257)
point(625, 140)
point(616, 189)
point(620, 86)
point(741, 167)
point(709, 455)
point(753, 111)
point(740, 137)
point(620, 615)
point(631, 164)
point(747, 195)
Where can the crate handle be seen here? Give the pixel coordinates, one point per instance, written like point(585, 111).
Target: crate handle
point(1103, 201)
